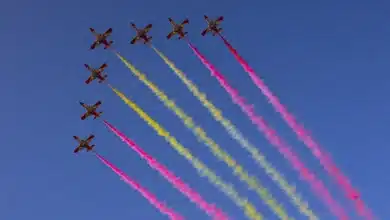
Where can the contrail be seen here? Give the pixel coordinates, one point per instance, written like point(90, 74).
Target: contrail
point(227, 188)
point(144, 192)
point(259, 158)
point(210, 209)
point(305, 137)
point(238, 170)
point(274, 139)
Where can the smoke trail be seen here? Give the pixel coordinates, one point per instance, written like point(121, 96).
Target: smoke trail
point(145, 193)
point(304, 136)
point(237, 135)
point(272, 137)
point(210, 209)
point(238, 170)
point(249, 210)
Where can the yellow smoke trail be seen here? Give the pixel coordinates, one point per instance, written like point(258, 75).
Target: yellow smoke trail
point(249, 210)
point(277, 177)
point(238, 170)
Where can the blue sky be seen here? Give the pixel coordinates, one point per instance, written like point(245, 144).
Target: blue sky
point(328, 62)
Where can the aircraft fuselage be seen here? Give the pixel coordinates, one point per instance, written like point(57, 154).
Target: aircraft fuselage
point(177, 28)
point(90, 108)
point(100, 38)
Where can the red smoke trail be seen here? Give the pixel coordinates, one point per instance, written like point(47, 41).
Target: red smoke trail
point(145, 193)
point(210, 209)
point(304, 136)
point(272, 137)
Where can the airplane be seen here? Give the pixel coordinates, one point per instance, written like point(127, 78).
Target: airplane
point(84, 144)
point(178, 29)
point(101, 38)
point(212, 26)
point(141, 34)
point(96, 73)
point(91, 110)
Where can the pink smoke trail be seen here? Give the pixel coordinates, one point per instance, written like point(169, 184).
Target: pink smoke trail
point(145, 193)
point(210, 209)
point(272, 137)
point(304, 136)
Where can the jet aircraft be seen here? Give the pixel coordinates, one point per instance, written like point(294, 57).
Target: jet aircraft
point(142, 34)
point(91, 110)
point(84, 144)
point(212, 26)
point(101, 38)
point(96, 73)
point(177, 29)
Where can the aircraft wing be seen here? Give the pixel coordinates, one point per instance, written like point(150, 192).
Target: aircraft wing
point(77, 149)
point(97, 104)
point(108, 32)
point(89, 139)
point(89, 80)
point(148, 27)
point(83, 117)
point(104, 65)
point(93, 46)
point(219, 19)
point(170, 35)
point(134, 40)
point(204, 32)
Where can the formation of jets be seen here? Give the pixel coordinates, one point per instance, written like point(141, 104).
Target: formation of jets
point(90, 110)
point(141, 35)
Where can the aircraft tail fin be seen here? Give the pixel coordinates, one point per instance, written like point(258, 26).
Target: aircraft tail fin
point(205, 31)
point(98, 115)
point(108, 45)
point(90, 148)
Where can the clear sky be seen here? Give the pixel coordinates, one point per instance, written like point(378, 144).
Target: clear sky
point(328, 62)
